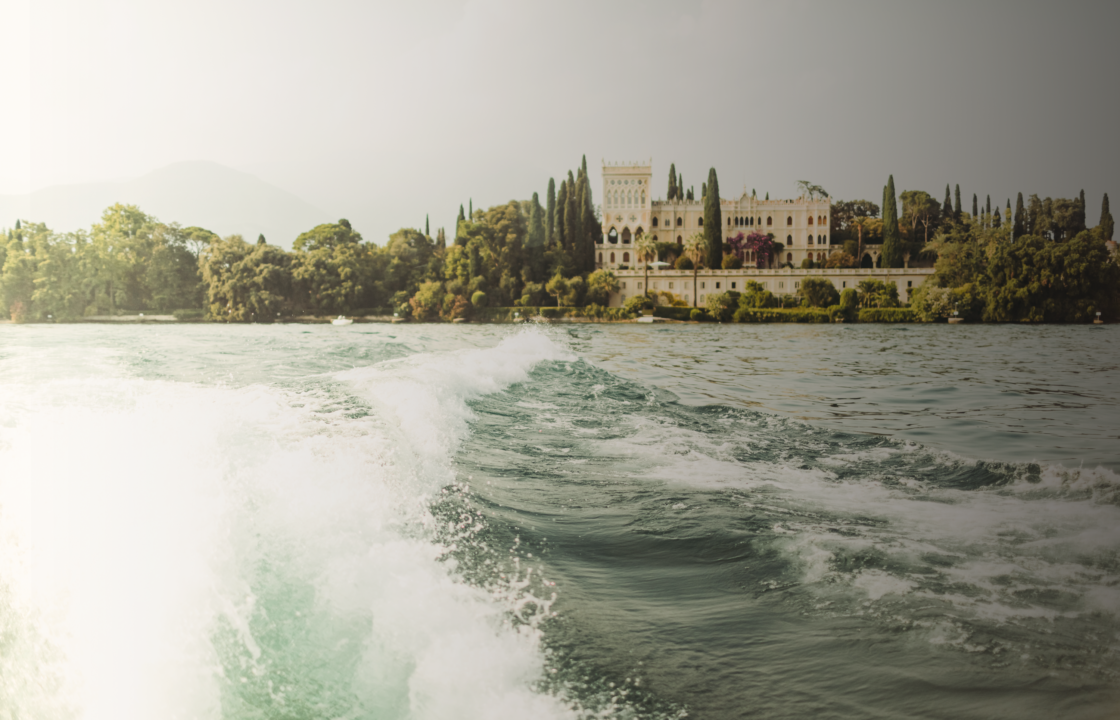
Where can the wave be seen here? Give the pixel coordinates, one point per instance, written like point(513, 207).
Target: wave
point(174, 550)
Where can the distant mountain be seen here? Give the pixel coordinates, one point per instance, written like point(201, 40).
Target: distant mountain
point(204, 194)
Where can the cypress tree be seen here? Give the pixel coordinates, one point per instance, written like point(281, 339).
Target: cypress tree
point(1080, 219)
point(586, 247)
point(672, 182)
point(550, 212)
point(975, 211)
point(767, 194)
point(1106, 225)
point(713, 222)
point(260, 239)
point(427, 228)
point(559, 236)
point(995, 219)
point(892, 239)
point(572, 224)
point(947, 208)
point(957, 203)
point(703, 190)
point(458, 223)
point(470, 205)
point(680, 186)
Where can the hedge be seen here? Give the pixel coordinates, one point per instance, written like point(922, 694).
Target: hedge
point(189, 315)
point(505, 314)
point(672, 313)
point(781, 315)
point(888, 315)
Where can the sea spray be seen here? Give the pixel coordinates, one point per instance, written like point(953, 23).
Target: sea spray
point(186, 551)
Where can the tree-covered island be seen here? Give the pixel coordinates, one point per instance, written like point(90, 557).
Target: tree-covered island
point(1038, 262)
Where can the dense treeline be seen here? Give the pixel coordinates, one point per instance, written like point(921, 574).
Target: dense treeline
point(517, 254)
point(1038, 262)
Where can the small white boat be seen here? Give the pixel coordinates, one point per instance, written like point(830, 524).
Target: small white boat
point(342, 320)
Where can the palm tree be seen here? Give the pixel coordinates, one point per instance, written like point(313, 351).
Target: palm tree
point(695, 249)
point(645, 249)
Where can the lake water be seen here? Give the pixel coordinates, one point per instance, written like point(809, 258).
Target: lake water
point(608, 521)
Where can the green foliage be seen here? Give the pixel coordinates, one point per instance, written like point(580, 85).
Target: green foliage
point(781, 315)
point(731, 262)
point(1106, 225)
point(887, 315)
point(600, 285)
point(849, 299)
point(892, 239)
point(684, 262)
point(723, 305)
point(877, 294)
point(428, 301)
point(246, 283)
point(933, 304)
point(329, 267)
point(713, 222)
point(634, 305)
point(1032, 280)
point(817, 292)
point(697, 315)
point(478, 299)
point(674, 312)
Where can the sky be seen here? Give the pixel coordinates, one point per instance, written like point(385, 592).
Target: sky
point(386, 112)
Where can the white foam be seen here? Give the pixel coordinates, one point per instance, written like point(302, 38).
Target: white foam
point(139, 520)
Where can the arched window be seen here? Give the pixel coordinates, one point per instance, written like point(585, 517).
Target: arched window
point(789, 257)
point(600, 257)
point(612, 257)
point(612, 237)
point(655, 238)
point(643, 197)
point(625, 257)
point(679, 240)
point(769, 221)
point(789, 221)
point(789, 240)
point(655, 222)
point(625, 236)
point(810, 219)
point(700, 222)
point(680, 222)
point(810, 239)
point(729, 221)
point(824, 239)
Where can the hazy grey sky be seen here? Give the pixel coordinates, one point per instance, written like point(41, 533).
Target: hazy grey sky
point(381, 112)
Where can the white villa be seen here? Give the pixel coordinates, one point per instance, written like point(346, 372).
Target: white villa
point(629, 210)
point(801, 225)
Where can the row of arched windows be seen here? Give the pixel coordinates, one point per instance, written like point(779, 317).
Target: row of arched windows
point(618, 198)
point(625, 257)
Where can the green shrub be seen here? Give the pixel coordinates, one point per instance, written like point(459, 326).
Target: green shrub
point(697, 314)
point(731, 262)
point(781, 315)
point(478, 299)
point(684, 263)
point(888, 315)
point(636, 304)
point(673, 313)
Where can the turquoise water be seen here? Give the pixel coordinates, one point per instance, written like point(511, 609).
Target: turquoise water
point(434, 521)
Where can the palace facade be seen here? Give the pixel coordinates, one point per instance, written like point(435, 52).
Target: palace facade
point(629, 210)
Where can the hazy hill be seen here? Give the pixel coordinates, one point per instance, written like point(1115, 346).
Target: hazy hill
point(205, 194)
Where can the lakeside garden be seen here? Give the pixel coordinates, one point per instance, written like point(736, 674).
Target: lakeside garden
point(1040, 263)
